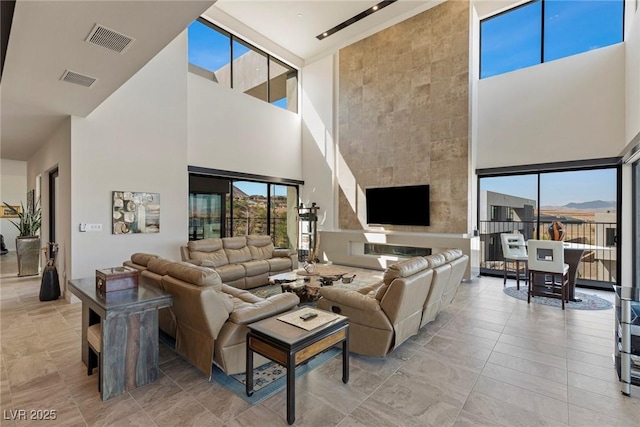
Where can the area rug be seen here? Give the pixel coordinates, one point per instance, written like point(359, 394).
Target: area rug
point(589, 302)
point(268, 379)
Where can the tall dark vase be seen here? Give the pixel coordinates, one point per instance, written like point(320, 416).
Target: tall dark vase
point(50, 284)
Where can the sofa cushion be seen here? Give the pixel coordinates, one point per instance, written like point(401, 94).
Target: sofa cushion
point(200, 276)
point(230, 272)
point(405, 268)
point(451, 254)
point(142, 258)
point(160, 266)
point(435, 260)
point(253, 268)
point(236, 249)
point(261, 247)
point(205, 245)
point(209, 250)
point(279, 264)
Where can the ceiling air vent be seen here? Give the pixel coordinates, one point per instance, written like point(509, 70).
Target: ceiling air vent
point(78, 79)
point(110, 39)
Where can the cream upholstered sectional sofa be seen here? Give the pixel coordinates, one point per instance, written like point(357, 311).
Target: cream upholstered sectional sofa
point(242, 262)
point(208, 319)
point(412, 293)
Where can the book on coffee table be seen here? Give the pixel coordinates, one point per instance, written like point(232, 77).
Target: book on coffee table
point(296, 318)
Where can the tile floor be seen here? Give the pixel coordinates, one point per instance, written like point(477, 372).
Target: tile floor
point(487, 360)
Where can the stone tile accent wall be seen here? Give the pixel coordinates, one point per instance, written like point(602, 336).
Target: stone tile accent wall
point(404, 115)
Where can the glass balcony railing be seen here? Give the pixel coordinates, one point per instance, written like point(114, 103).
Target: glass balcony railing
point(599, 261)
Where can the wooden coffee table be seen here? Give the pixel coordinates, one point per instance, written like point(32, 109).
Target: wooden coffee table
point(307, 286)
point(291, 345)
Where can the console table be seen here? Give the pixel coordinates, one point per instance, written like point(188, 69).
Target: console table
point(129, 356)
point(626, 320)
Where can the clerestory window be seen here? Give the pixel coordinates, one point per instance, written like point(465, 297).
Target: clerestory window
point(544, 30)
point(226, 59)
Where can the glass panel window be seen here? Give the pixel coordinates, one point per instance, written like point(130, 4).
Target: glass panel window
point(572, 27)
point(514, 39)
point(249, 70)
point(209, 52)
point(511, 41)
point(283, 85)
point(283, 227)
point(249, 208)
point(205, 216)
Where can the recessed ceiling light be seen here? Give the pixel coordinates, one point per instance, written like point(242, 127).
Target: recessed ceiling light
point(353, 20)
point(299, 15)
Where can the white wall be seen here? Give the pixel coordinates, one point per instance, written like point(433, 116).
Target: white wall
point(319, 139)
point(55, 153)
point(632, 77)
point(232, 131)
point(569, 109)
point(13, 190)
point(136, 140)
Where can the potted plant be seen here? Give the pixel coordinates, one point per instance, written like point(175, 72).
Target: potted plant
point(28, 241)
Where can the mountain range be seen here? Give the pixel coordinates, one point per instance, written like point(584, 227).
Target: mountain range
point(592, 205)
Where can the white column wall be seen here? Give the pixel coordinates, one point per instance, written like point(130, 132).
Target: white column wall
point(319, 139)
point(632, 75)
point(13, 190)
point(135, 141)
point(632, 134)
point(55, 153)
point(232, 131)
point(569, 109)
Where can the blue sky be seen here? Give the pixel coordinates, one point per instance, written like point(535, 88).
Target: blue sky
point(558, 188)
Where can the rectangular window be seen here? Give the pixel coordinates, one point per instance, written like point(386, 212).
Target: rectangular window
point(249, 70)
point(210, 52)
point(582, 201)
point(226, 59)
point(572, 27)
point(511, 40)
point(283, 85)
point(544, 30)
point(610, 237)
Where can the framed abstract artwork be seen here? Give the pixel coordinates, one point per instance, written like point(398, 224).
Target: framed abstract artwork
point(134, 212)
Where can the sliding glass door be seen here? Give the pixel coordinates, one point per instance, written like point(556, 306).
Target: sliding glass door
point(583, 202)
point(227, 207)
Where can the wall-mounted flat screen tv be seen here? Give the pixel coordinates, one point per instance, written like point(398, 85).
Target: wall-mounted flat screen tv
point(407, 205)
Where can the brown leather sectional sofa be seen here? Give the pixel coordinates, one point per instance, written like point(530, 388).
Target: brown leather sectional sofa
point(242, 262)
point(208, 319)
point(412, 293)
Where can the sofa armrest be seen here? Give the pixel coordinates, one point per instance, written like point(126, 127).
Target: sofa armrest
point(197, 262)
point(283, 253)
point(261, 310)
point(370, 288)
point(184, 253)
point(350, 298)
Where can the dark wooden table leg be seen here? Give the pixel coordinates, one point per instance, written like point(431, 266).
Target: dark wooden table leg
point(291, 388)
point(345, 359)
point(573, 257)
point(249, 370)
